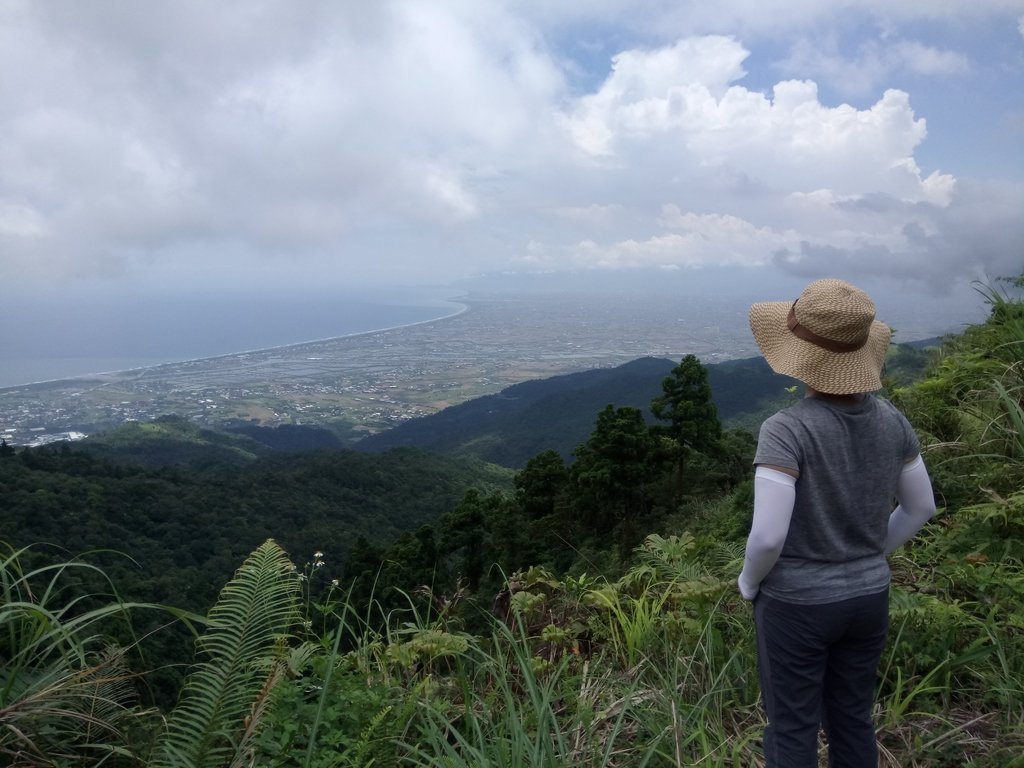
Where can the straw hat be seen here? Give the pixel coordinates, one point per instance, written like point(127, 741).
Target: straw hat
point(828, 338)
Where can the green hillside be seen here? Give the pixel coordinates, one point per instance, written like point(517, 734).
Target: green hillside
point(172, 441)
point(187, 527)
point(558, 413)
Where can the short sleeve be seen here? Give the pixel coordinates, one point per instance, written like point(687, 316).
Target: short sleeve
point(911, 443)
point(777, 445)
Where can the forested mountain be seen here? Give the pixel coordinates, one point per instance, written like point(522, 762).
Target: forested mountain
point(186, 502)
point(172, 441)
point(175, 441)
point(558, 413)
point(168, 511)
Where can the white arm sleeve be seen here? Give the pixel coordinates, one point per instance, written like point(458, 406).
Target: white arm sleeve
point(917, 505)
point(774, 495)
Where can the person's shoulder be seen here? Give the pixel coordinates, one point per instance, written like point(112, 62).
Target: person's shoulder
point(887, 407)
point(785, 417)
point(795, 411)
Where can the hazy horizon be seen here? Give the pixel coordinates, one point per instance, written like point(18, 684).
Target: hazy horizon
point(59, 338)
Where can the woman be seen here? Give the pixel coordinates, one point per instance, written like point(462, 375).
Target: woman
point(829, 471)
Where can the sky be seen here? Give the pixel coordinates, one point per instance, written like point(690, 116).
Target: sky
point(249, 146)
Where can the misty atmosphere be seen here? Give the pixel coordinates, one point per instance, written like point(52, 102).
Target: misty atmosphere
point(259, 151)
point(371, 311)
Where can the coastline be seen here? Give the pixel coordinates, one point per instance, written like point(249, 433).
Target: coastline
point(370, 380)
point(457, 302)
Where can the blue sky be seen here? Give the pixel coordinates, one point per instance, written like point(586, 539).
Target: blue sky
point(264, 145)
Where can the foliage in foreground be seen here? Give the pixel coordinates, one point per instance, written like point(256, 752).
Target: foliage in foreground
point(67, 693)
point(243, 657)
point(654, 669)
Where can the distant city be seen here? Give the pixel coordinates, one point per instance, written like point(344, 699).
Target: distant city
point(369, 382)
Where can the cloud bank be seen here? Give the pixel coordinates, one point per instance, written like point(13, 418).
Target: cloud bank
point(261, 143)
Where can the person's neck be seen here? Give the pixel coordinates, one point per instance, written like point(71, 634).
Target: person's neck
point(841, 399)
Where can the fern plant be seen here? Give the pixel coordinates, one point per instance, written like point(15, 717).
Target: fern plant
point(224, 696)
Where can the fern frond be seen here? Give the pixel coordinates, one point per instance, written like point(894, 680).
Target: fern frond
point(243, 755)
point(254, 611)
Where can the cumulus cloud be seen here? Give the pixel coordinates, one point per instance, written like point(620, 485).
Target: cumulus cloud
point(684, 240)
point(432, 139)
point(790, 138)
point(651, 91)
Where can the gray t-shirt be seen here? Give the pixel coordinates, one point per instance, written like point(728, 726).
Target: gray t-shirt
point(849, 458)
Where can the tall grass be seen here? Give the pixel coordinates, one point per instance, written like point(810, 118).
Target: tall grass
point(549, 686)
point(532, 693)
point(67, 694)
point(700, 706)
point(516, 708)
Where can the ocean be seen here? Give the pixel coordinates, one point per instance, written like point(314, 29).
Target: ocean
point(46, 338)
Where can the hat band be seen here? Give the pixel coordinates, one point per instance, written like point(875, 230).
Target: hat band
point(820, 341)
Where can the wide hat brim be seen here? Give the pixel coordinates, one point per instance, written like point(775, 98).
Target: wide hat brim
point(837, 373)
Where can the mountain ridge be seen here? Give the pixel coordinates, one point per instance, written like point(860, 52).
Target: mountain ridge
point(558, 413)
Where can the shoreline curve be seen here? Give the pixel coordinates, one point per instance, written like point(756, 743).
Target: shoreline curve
point(457, 302)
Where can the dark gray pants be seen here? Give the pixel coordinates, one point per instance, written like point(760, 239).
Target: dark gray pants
point(817, 665)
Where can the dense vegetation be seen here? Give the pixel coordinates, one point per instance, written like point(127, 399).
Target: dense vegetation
point(170, 510)
point(587, 617)
point(557, 413)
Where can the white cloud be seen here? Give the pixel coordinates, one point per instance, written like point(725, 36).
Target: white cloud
point(467, 135)
point(938, 188)
point(672, 250)
point(282, 130)
point(693, 240)
point(652, 91)
point(928, 60)
point(790, 139)
point(976, 234)
point(725, 232)
point(871, 64)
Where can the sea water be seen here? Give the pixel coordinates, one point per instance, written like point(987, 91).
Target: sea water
point(44, 338)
